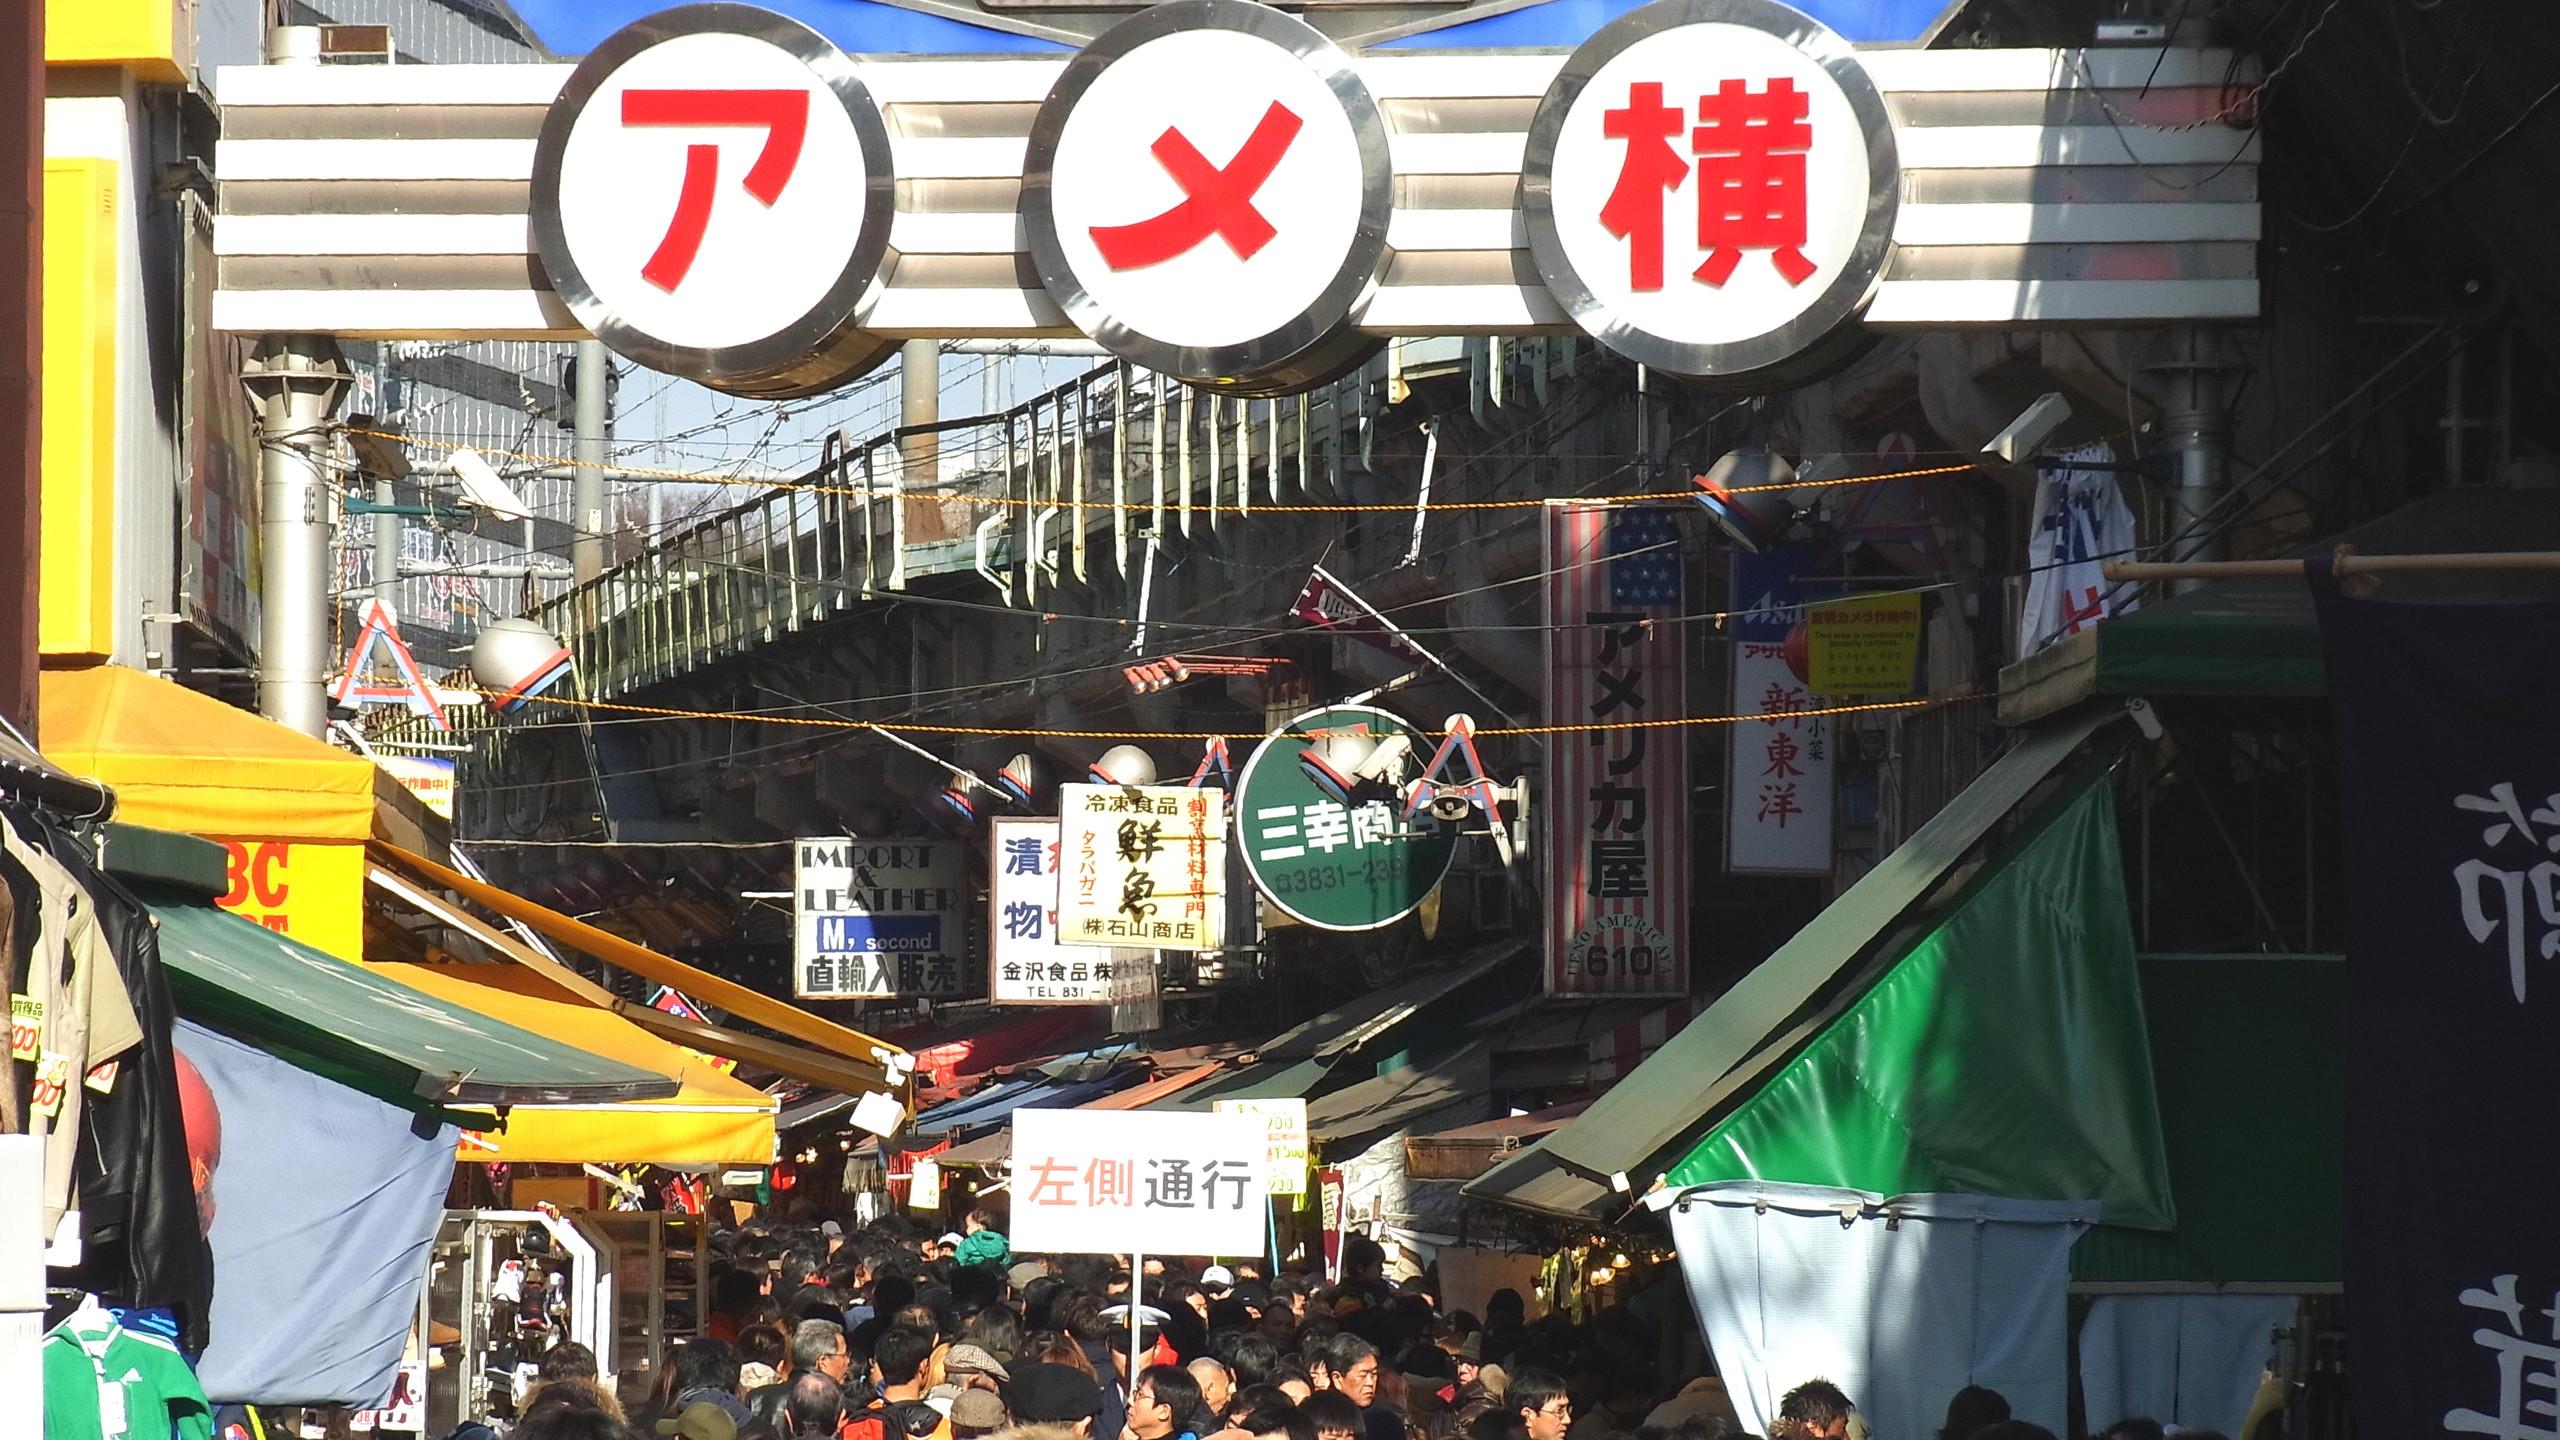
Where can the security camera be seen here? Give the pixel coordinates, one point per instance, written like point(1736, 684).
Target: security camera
point(2035, 425)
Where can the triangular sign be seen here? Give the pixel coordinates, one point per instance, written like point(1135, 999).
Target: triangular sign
point(356, 685)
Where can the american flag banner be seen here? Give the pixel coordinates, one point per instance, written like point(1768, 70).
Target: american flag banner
point(1617, 861)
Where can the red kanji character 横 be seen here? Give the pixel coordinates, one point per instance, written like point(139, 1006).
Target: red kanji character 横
point(1751, 177)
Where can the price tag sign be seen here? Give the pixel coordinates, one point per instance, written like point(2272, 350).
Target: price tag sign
point(26, 1026)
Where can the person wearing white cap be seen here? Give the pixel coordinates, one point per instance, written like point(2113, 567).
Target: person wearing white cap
point(1217, 1279)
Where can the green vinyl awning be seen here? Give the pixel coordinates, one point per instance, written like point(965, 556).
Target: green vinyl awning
point(2248, 1053)
point(370, 1032)
point(1605, 1156)
point(2257, 636)
point(2003, 1053)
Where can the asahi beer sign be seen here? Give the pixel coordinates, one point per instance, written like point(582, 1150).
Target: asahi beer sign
point(877, 918)
point(1778, 772)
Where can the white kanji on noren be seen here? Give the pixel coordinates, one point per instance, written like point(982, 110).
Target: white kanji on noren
point(2493, 897)
point(2528, 1370)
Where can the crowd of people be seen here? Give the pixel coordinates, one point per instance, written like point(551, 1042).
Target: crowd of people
point(817, 1334)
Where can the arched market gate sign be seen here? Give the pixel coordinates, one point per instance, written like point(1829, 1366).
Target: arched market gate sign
point(1720, 189)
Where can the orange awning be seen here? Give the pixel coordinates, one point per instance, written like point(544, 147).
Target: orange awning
point(712, 1119)
point(183, 761)
point(1154, 1090)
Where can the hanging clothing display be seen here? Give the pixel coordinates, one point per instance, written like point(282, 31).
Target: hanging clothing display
point(2081, 522)
point(88, 1018)
point(141, 1236)
point(104, 1381)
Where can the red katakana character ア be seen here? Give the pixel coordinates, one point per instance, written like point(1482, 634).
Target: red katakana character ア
point(1751, 148)
point(1650, 170)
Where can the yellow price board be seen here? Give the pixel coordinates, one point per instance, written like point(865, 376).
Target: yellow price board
point(1866, 646)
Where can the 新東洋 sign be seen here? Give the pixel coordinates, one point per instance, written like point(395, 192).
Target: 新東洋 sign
point(711, 197)
point(1710, 188)
point(1122, 1182)
point(1331, 864)
point(1025, 963)
point(1142, 865)
point(874, 918)
point(1778, 767)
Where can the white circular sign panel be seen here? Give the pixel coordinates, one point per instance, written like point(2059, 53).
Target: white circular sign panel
point(712, 198)
point(1206, 193)
point(1710, 186)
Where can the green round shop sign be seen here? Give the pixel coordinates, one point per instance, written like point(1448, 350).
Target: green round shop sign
point(1333, 865)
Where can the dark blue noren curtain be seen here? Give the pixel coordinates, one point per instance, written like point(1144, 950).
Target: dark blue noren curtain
point(2448, 718)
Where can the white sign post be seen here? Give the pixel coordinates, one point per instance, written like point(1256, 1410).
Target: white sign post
point(1106, 1182)
point(874, 918)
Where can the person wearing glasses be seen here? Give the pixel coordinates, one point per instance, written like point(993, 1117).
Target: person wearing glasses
point(1545, 1410)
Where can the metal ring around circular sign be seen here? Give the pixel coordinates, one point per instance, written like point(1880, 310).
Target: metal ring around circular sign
point(1841, 302)
point(821, 350)
point(1295, 730)
point(1316, 346)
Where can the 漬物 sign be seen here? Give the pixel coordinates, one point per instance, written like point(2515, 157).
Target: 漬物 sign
point(1025, 963)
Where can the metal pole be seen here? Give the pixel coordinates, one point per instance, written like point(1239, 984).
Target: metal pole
point(1137, 1309)
point(2199, 425)
point(386, 539)
point(589, 485)
point(296, 381)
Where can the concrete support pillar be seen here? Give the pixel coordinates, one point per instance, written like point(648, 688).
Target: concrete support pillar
point(296, 382)
point(920, 456)
point(590, 497)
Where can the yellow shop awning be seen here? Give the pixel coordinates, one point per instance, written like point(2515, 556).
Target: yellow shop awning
point(712, 1119)
point(183, 761)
